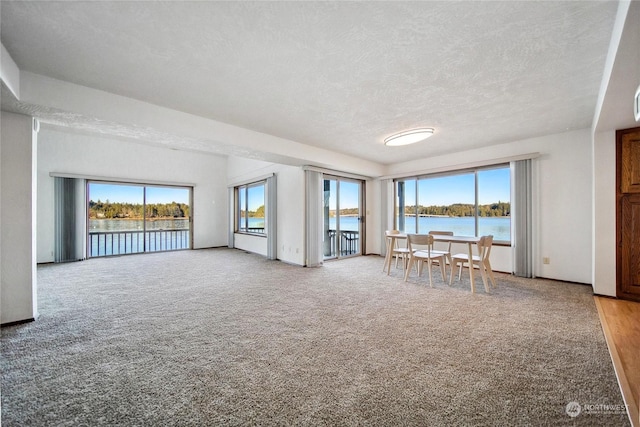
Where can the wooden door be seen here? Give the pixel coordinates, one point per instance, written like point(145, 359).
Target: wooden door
point(628, 213)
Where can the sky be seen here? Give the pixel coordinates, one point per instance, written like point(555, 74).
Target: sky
point(348, 194)
point(134, 193)
point(493, 186)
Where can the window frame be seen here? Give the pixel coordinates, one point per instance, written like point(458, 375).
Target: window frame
point(239, 210)
point(416, 179)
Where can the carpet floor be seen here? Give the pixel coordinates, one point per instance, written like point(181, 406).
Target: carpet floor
point(223, 337)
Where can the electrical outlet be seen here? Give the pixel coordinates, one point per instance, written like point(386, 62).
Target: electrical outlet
point(546, 260)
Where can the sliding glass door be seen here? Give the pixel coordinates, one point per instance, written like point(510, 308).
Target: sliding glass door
point(129, 218)
point(167, 218)
point(342, 217)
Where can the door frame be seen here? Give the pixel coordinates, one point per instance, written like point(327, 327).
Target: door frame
point(361, 216)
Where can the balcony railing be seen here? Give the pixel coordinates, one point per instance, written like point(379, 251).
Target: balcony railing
point(349, 243)
point(106, 243)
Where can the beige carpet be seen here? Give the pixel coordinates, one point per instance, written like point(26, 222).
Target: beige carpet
point(221, 337)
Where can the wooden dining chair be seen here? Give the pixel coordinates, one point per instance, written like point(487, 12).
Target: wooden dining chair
point(421, 251)
point(481, 260)
point(444, 247)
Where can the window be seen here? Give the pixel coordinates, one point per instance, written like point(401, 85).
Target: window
point(469, 203)
point(250, 217)
point(134, 218)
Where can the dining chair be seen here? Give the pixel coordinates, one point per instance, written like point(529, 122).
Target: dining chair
point(481, 260)
point(444, 247)
point(394, 249)
point(421, 251)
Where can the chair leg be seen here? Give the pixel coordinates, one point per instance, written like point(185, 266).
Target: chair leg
point(483, 273)
point(473, 284)
point(490, 271)
point(406, 272)
point(443, 269)
point(453, 267)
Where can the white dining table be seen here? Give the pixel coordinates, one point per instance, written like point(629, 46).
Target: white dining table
point(468, 240)
point(391, 243)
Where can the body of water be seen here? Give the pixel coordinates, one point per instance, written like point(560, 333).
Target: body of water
point(499, 227)
point(126, 236)
point(97, 225)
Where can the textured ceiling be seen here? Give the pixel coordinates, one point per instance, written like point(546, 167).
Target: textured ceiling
point(337, 75)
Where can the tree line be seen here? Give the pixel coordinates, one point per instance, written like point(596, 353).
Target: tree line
point(258, 213)
point(110, 210)
point(462, 209)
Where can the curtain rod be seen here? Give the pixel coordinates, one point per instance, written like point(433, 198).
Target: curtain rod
point(461, 166)
point(335, 172)
point(119, 180)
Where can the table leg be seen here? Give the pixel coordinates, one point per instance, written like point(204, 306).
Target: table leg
point(387, 254)
point(392, 242)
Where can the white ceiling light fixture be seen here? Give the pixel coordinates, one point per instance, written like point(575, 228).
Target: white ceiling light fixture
point(408, 137)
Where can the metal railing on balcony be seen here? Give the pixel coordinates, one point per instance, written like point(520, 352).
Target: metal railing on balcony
point(349, 243)
point(107, 243)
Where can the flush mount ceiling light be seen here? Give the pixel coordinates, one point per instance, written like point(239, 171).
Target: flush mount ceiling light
point(408, 137)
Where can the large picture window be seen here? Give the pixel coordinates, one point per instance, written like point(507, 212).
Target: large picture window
point(134, 218)
point(250, 208)
point(469, 203)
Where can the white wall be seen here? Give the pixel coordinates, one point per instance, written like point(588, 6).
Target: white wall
point(614, 111)
point(604, 214)
point(17, 218)
point(119, 160)
point(562, 199)
point(290, 209)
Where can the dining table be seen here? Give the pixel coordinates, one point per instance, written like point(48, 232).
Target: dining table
point(391, 243)
point(468, 240)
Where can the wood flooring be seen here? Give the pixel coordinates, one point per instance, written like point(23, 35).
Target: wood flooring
point(621, 325)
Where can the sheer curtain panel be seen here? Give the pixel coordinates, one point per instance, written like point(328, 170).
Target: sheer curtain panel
point(70, 219)
point(271, 220)
point(232, 216)
point(521, 218)
point(386, 207)
point(314, 226)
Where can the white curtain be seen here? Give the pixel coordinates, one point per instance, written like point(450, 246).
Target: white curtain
point(386, 206)
point(70, 219)
point(314, 217)
point(521, 218)
point(271, 219)
point(232, 216)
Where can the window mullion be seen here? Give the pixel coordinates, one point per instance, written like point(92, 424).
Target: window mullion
point(475, 176)
point(416, 207)
point(246, 208)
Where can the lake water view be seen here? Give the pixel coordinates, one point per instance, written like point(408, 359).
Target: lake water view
point(125, 236)
point(97, 225)
point(499, 227)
